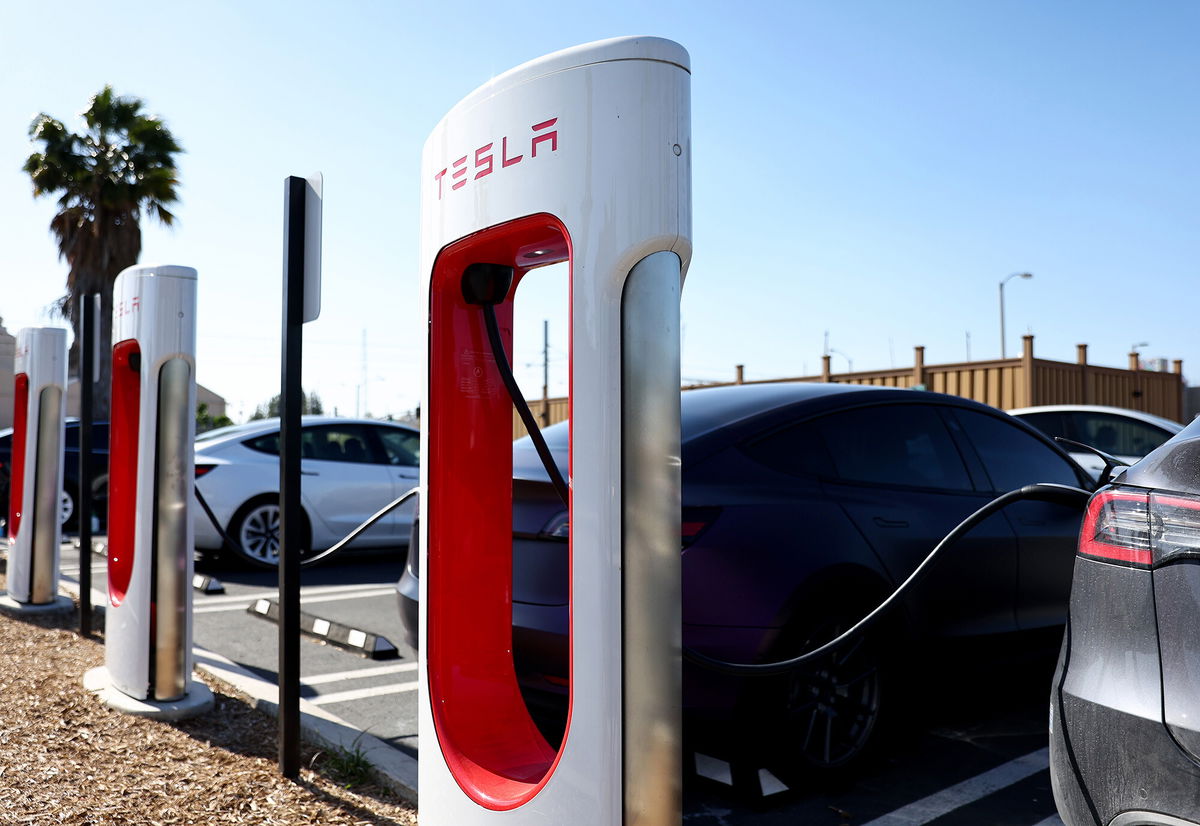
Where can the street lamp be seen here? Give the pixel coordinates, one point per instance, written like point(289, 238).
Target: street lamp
point(1003, 281)
point(849, 362)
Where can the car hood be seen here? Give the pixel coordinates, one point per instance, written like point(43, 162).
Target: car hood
point(1174, 465)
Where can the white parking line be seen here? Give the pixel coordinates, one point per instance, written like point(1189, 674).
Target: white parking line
point(968, 791)
point(359, 674)
point(313, 590)
point(240, 603)
point(362, 693)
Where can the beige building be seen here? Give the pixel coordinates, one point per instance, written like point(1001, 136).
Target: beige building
point(8, 349)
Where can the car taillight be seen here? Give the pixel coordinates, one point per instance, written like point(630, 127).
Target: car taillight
point(1141, 529)
point(1175, 527)
point(1116, 528)
point(203, 469)
point(694, 522)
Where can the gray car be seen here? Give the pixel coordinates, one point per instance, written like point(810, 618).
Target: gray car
point(1125, 706)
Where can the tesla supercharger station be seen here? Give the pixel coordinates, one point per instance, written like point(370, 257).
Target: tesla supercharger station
point(35, 492)
point(583, 157)
point(148, 646)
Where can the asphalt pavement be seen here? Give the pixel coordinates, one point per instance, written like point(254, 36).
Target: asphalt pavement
point(970, 754)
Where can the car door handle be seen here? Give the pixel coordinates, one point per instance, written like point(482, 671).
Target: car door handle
point(891, 523)
point(309, 473)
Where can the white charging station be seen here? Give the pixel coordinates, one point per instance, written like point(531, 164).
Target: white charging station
point(148, 629)
point(36, 480)
point(583, 156)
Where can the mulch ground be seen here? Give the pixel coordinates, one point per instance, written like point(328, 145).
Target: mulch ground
point(67, 758)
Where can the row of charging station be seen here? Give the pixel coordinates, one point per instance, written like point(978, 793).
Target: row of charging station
point(580, 157)
point(148, 651)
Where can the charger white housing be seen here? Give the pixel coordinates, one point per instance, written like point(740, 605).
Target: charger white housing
point(583, 156)
point(148, 628)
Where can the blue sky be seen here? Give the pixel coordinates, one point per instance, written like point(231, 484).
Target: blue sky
point(870, 168)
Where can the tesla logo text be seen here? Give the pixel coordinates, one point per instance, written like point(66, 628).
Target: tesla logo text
point(128, 306)
point(484, 160)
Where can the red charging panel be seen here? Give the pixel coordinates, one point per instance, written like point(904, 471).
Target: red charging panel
point(491, 746)
point(122, 466)
point(16, 491)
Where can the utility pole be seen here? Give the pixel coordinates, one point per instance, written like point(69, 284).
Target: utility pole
point(364, 372)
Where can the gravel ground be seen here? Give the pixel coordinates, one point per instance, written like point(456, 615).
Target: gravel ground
point(67, 758)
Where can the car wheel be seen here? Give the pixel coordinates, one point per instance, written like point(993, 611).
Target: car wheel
point(828, 716)
point(254, 531)
point(66, 509)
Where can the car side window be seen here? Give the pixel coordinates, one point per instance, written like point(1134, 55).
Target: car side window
point(338, 443)
point(798, 450)
point(1012, 457)
point(905, 445)
point(1117, 434)
point(268, 443)
point(1052, 424)
point(402, 447)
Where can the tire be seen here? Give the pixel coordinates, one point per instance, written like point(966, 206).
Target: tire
point(254, 531)
point(66, 510)
point(827, 718)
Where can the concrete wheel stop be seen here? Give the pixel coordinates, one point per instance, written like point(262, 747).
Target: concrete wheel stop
point(198, 699)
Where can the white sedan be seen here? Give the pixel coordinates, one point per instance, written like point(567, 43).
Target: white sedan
point(350, 468)
point(1126, 434)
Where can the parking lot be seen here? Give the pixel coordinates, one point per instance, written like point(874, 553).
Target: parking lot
point(971, 753)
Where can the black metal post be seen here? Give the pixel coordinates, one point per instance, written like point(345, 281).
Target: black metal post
point(83, 514)
point(290, 528)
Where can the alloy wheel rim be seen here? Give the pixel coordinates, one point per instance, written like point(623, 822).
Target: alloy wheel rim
point(832, 709)
point(259, 534)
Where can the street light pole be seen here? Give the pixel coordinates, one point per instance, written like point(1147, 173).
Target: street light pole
point(1003, 281)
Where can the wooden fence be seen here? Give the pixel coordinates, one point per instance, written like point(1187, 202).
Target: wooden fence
point(1005, 383)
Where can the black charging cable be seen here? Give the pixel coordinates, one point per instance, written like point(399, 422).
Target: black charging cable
point(1045, 492)
point(309, 560)
point(518, 400)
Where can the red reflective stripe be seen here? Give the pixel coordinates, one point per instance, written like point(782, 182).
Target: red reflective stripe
point(491, 745)
point(16, 492)
point(1092, 547)
point(122, 468)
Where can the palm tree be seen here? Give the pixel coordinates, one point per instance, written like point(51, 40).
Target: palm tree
point(121, 166)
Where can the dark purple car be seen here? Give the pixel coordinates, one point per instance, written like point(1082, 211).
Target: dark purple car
point(804, 505)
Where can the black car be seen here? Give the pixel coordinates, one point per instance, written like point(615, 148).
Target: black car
point(1125, 706)
point(804, 505)
point(70, 493)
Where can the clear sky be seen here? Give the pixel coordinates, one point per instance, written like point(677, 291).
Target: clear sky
point(870, 169)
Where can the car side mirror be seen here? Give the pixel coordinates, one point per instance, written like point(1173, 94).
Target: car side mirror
point(1111, 463)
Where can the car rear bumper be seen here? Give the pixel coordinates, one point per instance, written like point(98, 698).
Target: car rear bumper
point(1112, 759)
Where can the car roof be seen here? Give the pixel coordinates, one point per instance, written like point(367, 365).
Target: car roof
point(1149, 418)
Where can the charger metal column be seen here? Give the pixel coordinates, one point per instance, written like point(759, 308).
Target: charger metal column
point(582, 157)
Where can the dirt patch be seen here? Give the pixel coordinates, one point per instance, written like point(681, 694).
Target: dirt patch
point(67, 758)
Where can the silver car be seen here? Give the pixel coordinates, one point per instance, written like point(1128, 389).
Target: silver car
point(1126, 434)
point(350, 469)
